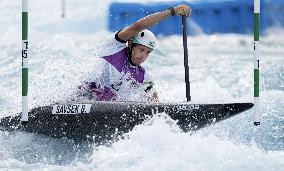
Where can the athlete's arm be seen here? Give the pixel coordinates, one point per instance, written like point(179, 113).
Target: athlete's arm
point(148, 21)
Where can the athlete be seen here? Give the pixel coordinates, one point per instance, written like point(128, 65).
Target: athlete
point(123, 54)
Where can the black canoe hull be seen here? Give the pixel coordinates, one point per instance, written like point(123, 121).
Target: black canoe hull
point(107, 119)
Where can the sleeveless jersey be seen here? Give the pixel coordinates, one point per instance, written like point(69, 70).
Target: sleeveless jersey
point(116, 71)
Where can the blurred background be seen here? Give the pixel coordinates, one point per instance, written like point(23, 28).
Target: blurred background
point(208, 17)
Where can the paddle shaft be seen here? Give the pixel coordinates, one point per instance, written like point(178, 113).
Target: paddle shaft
point(186, 67)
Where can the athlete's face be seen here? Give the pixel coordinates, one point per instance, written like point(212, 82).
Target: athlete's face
point(140, 54)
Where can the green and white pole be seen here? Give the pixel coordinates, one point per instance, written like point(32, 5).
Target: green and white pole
point(25, 44)
point(256, 62)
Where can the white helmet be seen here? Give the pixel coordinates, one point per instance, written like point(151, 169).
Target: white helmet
point(146, 38)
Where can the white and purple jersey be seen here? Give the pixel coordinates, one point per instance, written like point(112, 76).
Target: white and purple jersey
point(117, 70)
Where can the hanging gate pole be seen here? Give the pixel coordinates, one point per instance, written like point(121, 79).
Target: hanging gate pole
point(63, 8)
point(256, 62)
point(25, 44)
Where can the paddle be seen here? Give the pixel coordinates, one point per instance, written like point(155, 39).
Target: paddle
point(186, 68)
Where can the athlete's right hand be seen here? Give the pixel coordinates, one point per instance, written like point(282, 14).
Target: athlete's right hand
point(183, 10)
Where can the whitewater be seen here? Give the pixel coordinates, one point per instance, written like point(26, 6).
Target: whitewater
point(62, 53)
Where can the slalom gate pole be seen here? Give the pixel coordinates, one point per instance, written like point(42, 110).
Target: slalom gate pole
point(63, 8)
point(24, 117)
point(256, 62)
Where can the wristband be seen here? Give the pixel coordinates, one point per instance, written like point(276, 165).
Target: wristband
point(172, 9)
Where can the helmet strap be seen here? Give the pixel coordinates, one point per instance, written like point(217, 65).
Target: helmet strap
point(130, 45)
